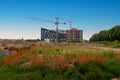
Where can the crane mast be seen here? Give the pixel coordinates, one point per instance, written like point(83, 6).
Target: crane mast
point(57, 23)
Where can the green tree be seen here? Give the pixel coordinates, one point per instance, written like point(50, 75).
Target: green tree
point(107, 35)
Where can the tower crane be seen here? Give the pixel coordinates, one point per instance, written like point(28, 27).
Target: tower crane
point(71, 26)
point(55, 22)
point(69, 21)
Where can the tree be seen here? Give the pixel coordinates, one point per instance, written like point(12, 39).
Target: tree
point(107, 35)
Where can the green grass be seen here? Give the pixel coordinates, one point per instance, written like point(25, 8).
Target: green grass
point(85, 72)
point(110, 69)
point(114, 44)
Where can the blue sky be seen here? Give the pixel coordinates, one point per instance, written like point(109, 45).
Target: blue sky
point(90, 15)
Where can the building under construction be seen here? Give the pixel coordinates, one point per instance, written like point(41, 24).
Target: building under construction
point(63, 35)
point(50, 35)
point(74, 34)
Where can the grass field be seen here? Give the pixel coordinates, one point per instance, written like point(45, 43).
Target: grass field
point(58, 62)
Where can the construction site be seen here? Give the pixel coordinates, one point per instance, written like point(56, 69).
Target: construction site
point(71, 34)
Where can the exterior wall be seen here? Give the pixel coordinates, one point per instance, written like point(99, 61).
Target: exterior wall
point(47, 34)
point(50, 35)
point(67, 35)
point(74, 34)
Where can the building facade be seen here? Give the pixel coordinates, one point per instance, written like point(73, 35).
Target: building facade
point(63, 35)
point(50, 35)
point(74, 34)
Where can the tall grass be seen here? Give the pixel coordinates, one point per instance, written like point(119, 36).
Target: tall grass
point(60, 63)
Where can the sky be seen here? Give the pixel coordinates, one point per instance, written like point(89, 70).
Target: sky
point(91, 16)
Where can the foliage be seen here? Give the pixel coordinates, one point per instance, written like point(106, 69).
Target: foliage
point(1, 58)
point(114, 44)
point(32, 40)
point(75, 41)
point(60, 63)
point(107, 35)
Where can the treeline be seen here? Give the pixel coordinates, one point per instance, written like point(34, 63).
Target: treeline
point(107, 35)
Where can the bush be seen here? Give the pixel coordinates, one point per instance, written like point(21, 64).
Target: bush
point(112, 66)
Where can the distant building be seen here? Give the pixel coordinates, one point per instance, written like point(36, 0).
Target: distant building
point(50, 35)
point(74, 34)
point(63, 35)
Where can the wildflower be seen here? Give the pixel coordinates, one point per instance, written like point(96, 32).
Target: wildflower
point(36, 62)
point(68, 65)
point(69, 55)
point(59, 59)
